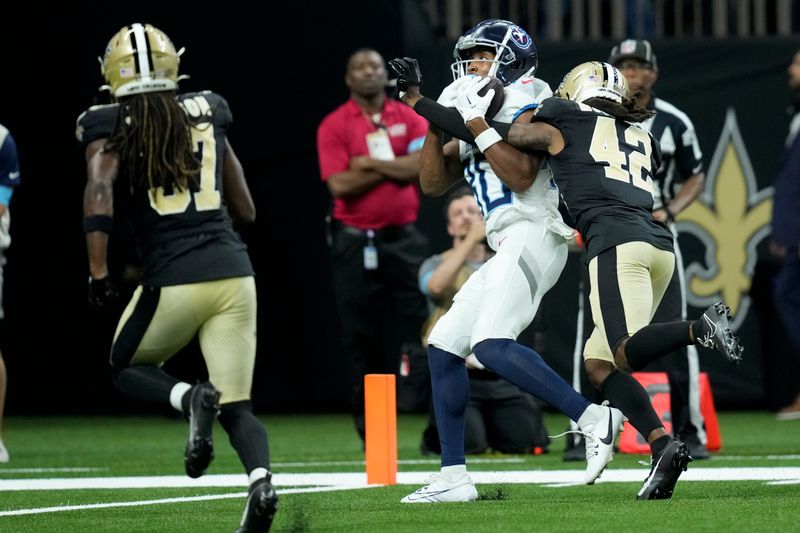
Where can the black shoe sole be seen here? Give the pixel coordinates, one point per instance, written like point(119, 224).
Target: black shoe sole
point(198, 456)
point(262, 516)
point(663, 489)
point(726, 342)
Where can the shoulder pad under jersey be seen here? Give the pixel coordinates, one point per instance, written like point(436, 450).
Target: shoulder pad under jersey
point(536, 88)
point(207, 104)
point(552, 109)
point(97, 122)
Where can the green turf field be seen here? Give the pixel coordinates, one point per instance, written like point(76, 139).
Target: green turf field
point(126, 474)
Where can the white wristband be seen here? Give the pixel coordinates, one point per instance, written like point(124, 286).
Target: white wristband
point(486, 139)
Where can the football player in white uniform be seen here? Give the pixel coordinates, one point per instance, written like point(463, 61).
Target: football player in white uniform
point(519, 202)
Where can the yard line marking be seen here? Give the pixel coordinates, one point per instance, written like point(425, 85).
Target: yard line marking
point(41, 470)
point(140, 503)
point(359, 479)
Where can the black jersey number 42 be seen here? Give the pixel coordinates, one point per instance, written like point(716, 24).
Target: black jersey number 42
point(633, 167)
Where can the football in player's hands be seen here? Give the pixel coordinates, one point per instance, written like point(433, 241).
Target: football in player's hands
point(497, 99)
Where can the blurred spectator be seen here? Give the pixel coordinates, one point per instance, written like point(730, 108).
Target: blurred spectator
point(367, 158)
point(9, 178)
point(785, 242)
point(677, 183)
point(499, 415)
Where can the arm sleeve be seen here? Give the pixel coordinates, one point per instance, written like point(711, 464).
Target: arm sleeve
point(417, 129)
point(450, 121)
point(426, 271)
point(688, 156)
point(331, 151)
point(9, 163)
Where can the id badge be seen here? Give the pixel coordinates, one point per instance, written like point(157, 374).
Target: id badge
point(380, 146)
point(370, 257)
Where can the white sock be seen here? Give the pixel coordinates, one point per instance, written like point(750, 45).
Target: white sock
point(176, 395)
point(453, 472)
point(257, 473)
point(590, 415)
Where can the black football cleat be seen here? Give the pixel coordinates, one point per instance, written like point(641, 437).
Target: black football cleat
point(665, 471)
point(715, 332)
point(203, 408)
point(260, 508)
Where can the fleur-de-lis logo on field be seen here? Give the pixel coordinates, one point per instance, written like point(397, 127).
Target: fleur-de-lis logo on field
point(731, 217)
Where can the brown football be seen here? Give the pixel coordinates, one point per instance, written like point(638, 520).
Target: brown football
point(497, 100)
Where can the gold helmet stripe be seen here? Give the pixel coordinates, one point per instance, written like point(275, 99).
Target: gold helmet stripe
point(142, 48)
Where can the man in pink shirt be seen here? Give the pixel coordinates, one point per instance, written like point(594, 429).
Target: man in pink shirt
point(368, 157)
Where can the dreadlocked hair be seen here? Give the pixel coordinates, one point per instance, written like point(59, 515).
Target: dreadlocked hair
point(154, 141)
point(629, 110)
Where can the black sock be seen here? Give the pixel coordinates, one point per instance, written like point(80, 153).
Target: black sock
point(658, 445)
point(628, 395)
point(655, 341)
point(246, 434)
point(146, 382)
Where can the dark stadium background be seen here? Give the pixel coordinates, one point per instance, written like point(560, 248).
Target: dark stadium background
point(281, 70)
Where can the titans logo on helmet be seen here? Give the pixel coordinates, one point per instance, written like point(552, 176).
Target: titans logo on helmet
point(521, 37)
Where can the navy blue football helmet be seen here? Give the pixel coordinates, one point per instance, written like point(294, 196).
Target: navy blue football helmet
point(515, 53)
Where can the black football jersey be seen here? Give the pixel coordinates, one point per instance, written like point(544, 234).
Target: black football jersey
point(605, 175)
point(181, 236)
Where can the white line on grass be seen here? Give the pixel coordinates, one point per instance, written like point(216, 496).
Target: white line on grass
point(139, 503)
point(759, 457)
point(42, 470)
point(349, 481)
point(499, 460)
point(359, 479)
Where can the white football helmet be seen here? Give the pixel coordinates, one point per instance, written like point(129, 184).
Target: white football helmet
point(140, 58)
point(594, 79)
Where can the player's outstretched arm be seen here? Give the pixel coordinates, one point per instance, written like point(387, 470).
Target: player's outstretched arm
point(409, 81)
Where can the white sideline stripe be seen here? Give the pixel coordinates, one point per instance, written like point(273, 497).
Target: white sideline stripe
point(208, 497)
point(764, 457)
point(350, 481)
point(359, 479)
point(42, 470)
point(502, 460)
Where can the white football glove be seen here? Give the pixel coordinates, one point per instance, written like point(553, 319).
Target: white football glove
point(469, 103)
point(450, 93)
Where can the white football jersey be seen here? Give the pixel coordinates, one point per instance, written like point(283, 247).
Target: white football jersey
point(499, 204)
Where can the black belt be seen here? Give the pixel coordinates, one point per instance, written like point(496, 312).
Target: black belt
point(387, 233)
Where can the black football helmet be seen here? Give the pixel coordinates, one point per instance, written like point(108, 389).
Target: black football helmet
point(515, 53)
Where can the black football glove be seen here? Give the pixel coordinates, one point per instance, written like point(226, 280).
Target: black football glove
point(102, 293)
point(407, 71)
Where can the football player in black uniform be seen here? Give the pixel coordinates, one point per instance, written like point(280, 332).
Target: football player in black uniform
point(163, 158)
point(677, 183)
point(604, 163)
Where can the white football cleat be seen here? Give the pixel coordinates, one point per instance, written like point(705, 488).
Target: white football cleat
point(439, 490)
point(3, 453)
point(600, 434)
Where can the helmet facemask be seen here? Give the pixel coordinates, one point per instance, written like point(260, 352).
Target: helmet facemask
point(507, 61)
